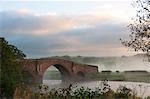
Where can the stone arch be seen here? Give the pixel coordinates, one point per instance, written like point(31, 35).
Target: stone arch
point(80, 75)
point(69, 70)
point(63, 71)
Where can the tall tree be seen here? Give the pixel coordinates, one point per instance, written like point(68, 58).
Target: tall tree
point(10, 70)
point(140, 28)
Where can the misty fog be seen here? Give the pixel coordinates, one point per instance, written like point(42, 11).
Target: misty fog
point(124, 63)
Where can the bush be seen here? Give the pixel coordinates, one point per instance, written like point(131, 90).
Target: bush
point(10, 69)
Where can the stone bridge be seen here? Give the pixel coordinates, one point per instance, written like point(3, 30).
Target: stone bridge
point(34, 69)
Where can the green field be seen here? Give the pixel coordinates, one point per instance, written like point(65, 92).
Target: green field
point(135, 76)
point(121, 76)
point(52, 75)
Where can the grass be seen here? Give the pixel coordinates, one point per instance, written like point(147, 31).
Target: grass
point(120, 76)
point(105, 75)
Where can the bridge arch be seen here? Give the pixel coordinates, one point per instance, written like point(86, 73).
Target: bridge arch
point(69, 70)
point(80, 74)
point(65, 75)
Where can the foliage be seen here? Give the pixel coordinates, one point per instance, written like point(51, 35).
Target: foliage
point(71, 92)
point(123, 92)
point(140, 28)
point(10, 70)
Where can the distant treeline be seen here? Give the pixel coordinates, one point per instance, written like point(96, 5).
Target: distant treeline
point(131, 71)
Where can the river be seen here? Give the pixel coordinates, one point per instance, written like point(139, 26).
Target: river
point(142, 89)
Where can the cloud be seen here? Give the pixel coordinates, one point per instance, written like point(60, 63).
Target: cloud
point(48, 35)
point(24, 22)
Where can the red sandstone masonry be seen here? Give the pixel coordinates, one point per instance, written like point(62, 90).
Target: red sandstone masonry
point(37, 67)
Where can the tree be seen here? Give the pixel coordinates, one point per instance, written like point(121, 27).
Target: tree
point(140, 28)
point(10, 70)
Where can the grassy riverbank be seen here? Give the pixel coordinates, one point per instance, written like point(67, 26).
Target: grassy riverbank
point(134, 76)
point(121, 76)
point(103, 91)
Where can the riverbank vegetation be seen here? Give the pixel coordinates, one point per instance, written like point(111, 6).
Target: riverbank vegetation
point(104, 91)
point(10, 71)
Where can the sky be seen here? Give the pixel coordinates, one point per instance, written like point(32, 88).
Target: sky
point(76, 27)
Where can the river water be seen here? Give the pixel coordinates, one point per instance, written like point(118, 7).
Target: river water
point(142, 89)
